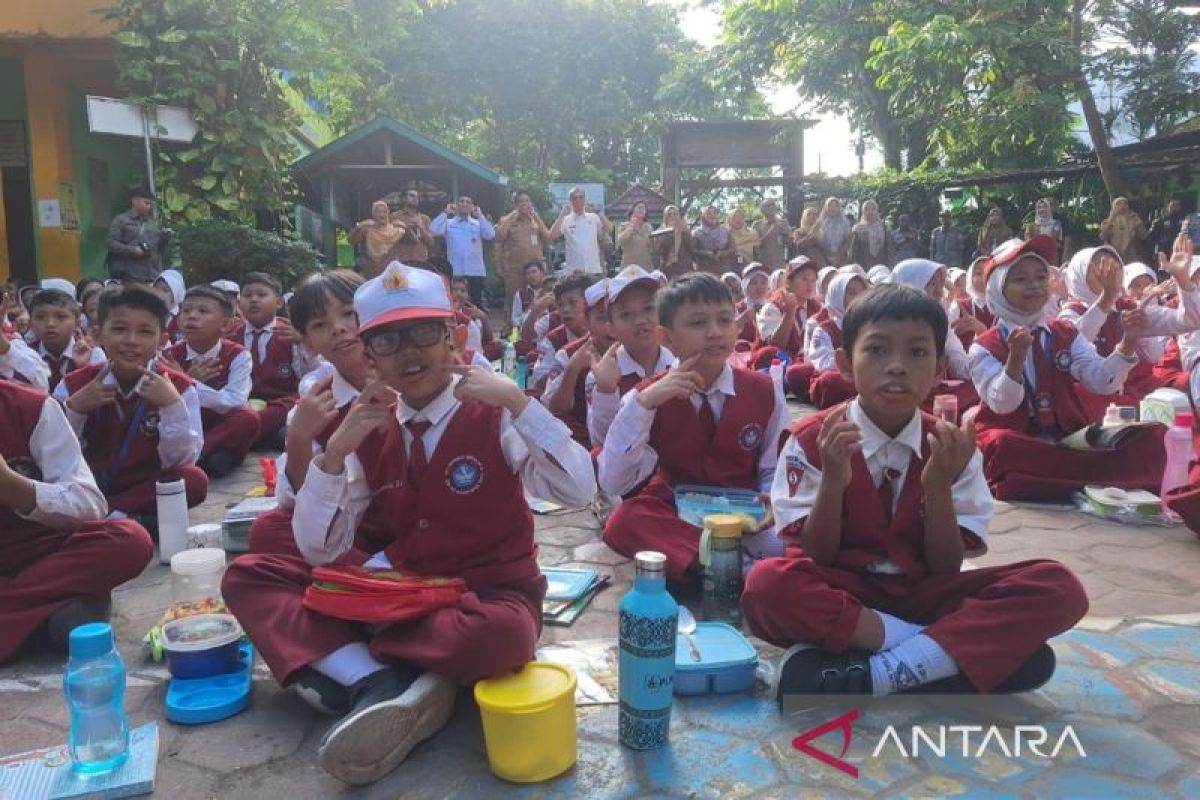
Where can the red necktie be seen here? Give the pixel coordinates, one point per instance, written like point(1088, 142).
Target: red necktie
point(416, 451)
point(255, 358)
point(708, 418)
point(56, 364)
point(1043, 373)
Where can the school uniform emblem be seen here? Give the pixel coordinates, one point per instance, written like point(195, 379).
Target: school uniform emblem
point(25, 467)
point(1063, 360)
point(795, 473)
point(464, 475)
point(149, 424)
point(285, 370)
point(750, 436)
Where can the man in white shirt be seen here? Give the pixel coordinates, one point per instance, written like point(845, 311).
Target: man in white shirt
point(582, 230)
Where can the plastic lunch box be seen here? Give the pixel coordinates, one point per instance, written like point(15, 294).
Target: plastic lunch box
point(727, 661)
point(694, 503)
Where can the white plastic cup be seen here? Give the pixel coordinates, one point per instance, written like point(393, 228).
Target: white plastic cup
point(172, 519)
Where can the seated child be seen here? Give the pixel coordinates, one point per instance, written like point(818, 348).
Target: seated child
point(567, 390)
point(1030, 370)
point(703, 422)
point(60, 558)
point(445, 451)
point(138, 420)
point(87, 293)
point(171, 287)
point(878, 504)
point(538, 318)
point(1095, 285)
point(970, 316)
point(829, 385)
point(633, 323)
point(54, 322)
point(18, 361)
point(220, 373)
point(277, 363)
point(755, 280)
point(571, 308)
point(534, 273)
point(784, 324)
point(479, 331)
point(734, 284)
point(824, 276)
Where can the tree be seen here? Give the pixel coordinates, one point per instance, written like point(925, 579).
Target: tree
point(1110, 171)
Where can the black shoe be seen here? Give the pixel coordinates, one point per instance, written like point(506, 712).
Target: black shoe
point(810, 670)
point(321, 692)
point(79, 611)
point(218, 464)
point(1031, 675)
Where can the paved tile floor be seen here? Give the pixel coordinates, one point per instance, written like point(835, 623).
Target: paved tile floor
point(1128, 684)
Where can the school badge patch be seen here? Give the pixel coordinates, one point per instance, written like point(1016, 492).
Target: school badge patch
point(750, 436)
point(1063, 360)
point(285, 370)
point(149, 424)
point(795, 473)
point(25, 467)
point(464, 475)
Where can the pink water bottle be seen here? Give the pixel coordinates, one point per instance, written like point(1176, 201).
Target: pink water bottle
point(1178, 442)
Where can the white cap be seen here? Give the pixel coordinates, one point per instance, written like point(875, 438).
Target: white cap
point(26, 294)
point(631, 275)
point(401, 293)
point(596, 293)
point(658, 275)
point(798, 263)
point(226, 285)
point(755, 266)
point(59, 284)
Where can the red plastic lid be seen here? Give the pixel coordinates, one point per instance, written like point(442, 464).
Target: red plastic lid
point(775, 361)
point(1184, 420)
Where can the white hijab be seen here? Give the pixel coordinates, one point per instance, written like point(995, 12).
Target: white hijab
point(1135, 270)
point(1005, 310)
point(776, 279)
point(826, 272)
point(1077, 270)
point(835, 298)
point(980, 298)
point(915, 272)
point(173, 278)
point(879, 274)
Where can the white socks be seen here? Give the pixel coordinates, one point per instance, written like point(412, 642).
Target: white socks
point(916, 661)
point(896, 630)
point(348, 664)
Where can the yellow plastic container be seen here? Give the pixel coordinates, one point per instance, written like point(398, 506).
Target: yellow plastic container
point(529, 722)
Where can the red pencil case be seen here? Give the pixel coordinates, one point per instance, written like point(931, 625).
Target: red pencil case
point(365, 595)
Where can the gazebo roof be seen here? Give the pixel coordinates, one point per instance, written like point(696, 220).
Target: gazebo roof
point(621, 206)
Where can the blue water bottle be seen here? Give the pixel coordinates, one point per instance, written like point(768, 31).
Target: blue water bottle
point(522, 372)
point(648, 620)
point(95, 688)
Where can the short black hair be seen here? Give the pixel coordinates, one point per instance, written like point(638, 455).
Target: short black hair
point(262, 279)
point(206, 292)
point(56, 298)
point(132, 295)
point(435, 264)
point(459, 279)
point(534, 262)
point(893, 302)
point(696, 287)
point(313, 293)
point(84, 287)
point(142, 192)
point(576, 281)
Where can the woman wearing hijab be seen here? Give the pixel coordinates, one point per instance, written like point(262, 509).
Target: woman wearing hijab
point(1039, 380)
point(970, 316)
point(806, 239)
point(1123, 230)
point(828, 387)
point(633, 237)
point(832, 233)
point(673, 244)
point(930, 277)
point(995, 231)
point(1096, 303)
point(380, 238)
point(1045, 224)
point(743, 238)
point(870, 241)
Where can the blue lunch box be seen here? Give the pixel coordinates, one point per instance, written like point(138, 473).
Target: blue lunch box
point(694, 503)
point(727, 661)
point(202, 645)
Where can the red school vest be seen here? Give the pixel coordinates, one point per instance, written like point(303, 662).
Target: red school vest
point(104, 431)
point(1112, 331)
point(1169, 369)
point(174, 335)
point(576, 418)
point(469, 519)
point(559, 337)
point(225, 356)
point(868, 536)
point(1070, 411)
point(58, 365)
point(795, 341)
point(20, 408)
point(967, 308)
point(686, 457)
point(275, 376)
point(833, 329)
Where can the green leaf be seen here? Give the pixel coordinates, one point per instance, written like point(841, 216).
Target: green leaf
point(206, 182)
point(131, 39)
point(173, 36)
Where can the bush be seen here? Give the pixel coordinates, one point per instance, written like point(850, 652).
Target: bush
point(211, 250)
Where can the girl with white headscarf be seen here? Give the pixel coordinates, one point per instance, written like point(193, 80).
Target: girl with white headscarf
point(1031, 371)
point(171, 286)
point(828, 387)
point(824, 276)
point(930, 277)
point(879, 274)
point(833, 232)
point(755, 289)
point(970, 315)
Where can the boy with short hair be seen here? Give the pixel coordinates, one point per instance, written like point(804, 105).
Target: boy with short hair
point(18, 361)
point(54, 321)
point(59, 558)
point(277, 364)
point(220, 369)
point(138, 420)
point(566, 393)
point(479, 331)
point(571, 308)
point(534, 274)
point(703, 422)
point(878, 503)
point(443, 453)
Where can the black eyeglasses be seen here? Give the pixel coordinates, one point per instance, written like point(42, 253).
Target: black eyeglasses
point(389, 342)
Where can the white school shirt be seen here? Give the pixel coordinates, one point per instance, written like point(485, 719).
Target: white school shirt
point(301, 363)
point(98, 356)
point(237, 386)
point(603, 406)
point(628, 459)
point(770, 317)
point(819, 350)
point(180, 432)
point(535, 445)
point(23, 360)
point(958, 365)
point(1098, 374)
point(969, 493)
point(67, 494)
point(1164, 321)
point(343, 392)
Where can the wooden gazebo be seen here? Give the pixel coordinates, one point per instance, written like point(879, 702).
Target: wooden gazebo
point(619, 208)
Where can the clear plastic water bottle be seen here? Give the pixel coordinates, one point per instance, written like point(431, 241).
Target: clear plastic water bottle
point(1178, 442)
point(721, 558)
point(522, 372)
point(95, 688)
point(508, 362)
point(649, 618)
point(776, 372)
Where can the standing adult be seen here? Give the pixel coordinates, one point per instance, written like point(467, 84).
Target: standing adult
point(633, 237)
point(582, 230)
point(870, 243)
point(773, 234)
point(1124, 231)
point(465, 228)
point(711, 245)
point(806, 240)
point(994, 232)
point(521, 237)
point(1166, 228)
point(904, 239)
point(379, 238)
point(136, 243)
point(743, 238)
point(946, 243)
point(833, 232)
point(673, 244)
point(414, 245)
point(1046, 224)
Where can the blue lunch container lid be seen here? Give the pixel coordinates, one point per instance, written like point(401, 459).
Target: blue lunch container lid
point(722, 647)
point(91, 640)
